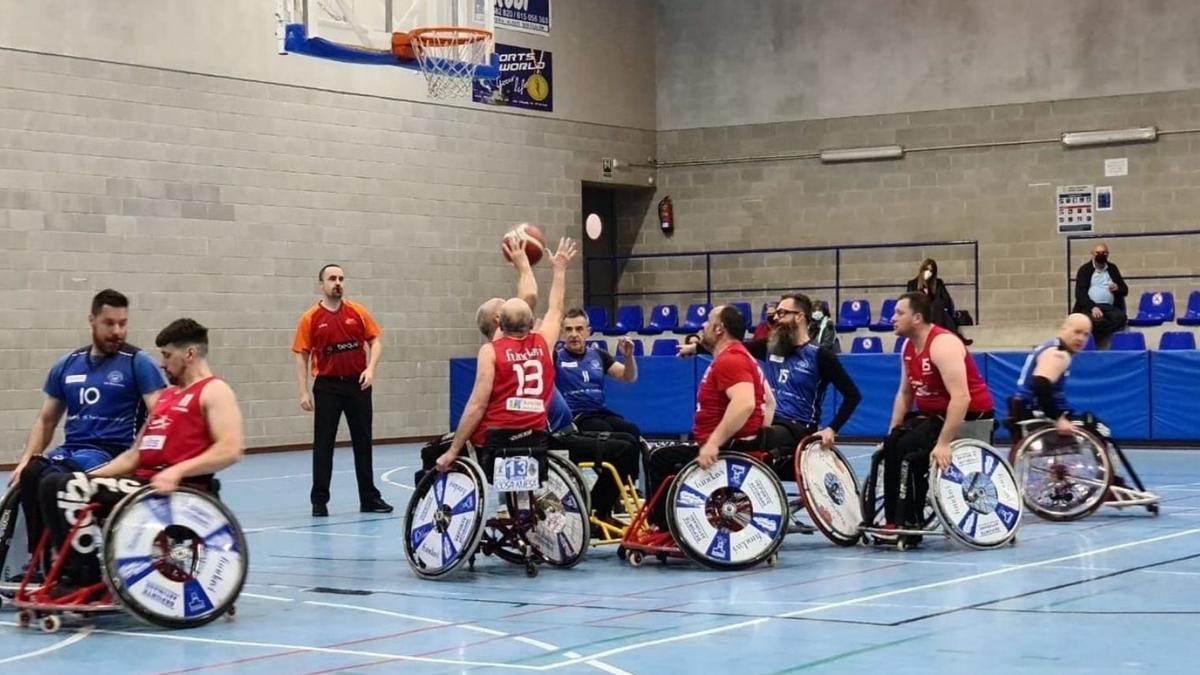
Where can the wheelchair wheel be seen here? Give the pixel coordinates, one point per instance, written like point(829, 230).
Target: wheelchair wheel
point(576, 474)
point(829, 491)
point(14, 541)
point(561, 529)
point(977, 497)
point(444, 519)
point(176, 560)
point(1063, 478)
point(731, 516)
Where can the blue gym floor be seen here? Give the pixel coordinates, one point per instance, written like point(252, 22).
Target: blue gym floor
point(1114, 592)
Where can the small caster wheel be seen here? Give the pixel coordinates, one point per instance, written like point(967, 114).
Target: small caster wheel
point(231, 612)
point(621, 553)
point(531, 570)
point(471, 563)
point(902, 544)
point(1152, 508)
point(51, 623)
point(773, 560)
point(636, 558)
point(662, 558)
point(24, 618)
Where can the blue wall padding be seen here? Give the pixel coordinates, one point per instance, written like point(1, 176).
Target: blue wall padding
point(1140, 395)
point(1175, 396)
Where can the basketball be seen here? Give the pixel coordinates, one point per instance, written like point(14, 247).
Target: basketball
point(535, 241)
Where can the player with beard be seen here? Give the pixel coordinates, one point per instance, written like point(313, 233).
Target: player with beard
point(799, 371)
point(104, 389)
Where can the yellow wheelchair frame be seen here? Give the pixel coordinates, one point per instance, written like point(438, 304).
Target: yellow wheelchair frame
point(630, 502)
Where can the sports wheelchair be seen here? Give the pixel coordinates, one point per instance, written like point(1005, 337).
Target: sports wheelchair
point(176, 560)
point(975, 501)
point(544, 517)
point(828, 491)
point(1064, 478)
point(731, 516)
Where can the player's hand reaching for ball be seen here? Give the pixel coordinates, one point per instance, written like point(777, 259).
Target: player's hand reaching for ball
point(514, 249)
point(567, 248)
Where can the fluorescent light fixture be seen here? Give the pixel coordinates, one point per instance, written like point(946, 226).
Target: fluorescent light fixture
point(1082, 138)
point(862, 154)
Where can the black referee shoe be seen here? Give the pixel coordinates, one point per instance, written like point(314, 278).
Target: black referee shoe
point(320, 510)
point(376, 505)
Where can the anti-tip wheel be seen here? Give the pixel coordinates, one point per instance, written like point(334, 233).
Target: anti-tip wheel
point(51, 623)
point(1152, 508)
point(531, 570)
point(24, 618)
point(621, 554)
point(902, 544)
point(636, 558)
point(773, 560)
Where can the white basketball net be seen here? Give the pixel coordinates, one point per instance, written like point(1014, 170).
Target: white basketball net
point(449, 57)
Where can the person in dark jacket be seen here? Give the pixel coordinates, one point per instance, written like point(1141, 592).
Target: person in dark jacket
point(928, 282)
point(1100, 292)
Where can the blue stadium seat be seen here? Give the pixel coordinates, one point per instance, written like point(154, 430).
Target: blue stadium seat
point(855, 314)
point(598, 344)
point(899, 346)
point(664, 319)
point(695, 318)
point(886, 317)
point(664, 347)
point(1154, 309)
point(629, 320)
point(747, 317)
point(639, 349)
point(1191, 316)
point(597, 318)
point(1128, 341)
point(1176, 340)
point(866, 345)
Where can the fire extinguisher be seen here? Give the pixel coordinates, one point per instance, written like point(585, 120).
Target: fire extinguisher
point(666, 216)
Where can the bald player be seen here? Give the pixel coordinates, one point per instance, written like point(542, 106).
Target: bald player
point(514, 375)
point(1042, 384)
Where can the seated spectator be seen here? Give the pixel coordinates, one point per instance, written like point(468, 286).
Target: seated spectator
point(928, 282)
point(1100, 294)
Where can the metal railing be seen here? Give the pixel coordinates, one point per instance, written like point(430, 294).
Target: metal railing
point(708, 291)
point(1072, 269)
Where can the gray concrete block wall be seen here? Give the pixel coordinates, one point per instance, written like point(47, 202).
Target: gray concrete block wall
point(219, 199)
point(1002, 196)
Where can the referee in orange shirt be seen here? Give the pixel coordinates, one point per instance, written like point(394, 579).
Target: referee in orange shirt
point(341, 339)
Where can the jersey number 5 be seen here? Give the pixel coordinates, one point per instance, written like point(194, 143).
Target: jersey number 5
point(529, 378)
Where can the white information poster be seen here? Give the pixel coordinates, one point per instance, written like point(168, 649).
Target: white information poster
point(1075, 208)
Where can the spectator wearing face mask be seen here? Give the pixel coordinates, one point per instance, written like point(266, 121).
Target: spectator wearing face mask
point(928, 282)
point(764, 327)
point(1100, 292)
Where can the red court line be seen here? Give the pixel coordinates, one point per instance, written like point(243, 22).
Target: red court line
point(380, 662)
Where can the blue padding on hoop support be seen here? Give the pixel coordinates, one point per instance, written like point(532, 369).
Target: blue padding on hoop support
point(661, 402)
point(1175, 407)
point(462, 381)
point(296, 41)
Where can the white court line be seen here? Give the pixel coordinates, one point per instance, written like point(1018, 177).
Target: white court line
point(869, 598)
point(536, 643)
point(330, 534)
point(266, 597)
point(293, 475)
point(82, 634)
point(385, 478)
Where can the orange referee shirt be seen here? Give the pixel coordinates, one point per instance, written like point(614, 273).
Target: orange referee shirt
point(336, 340)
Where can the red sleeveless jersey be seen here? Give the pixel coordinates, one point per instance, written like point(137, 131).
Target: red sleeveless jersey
point(929, 391)
point(177, 430)
point(732, 366)
point(521, 387)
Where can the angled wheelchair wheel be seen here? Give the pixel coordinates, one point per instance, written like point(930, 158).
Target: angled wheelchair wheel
point(176, 560)
point(14, 542)
point(575, 473)
point(1063, 477)
point(732, 516)
point(444, 519)
point(976, 497)
point(560, 529)
point(829, 491)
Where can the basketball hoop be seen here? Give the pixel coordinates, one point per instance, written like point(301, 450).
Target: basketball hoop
point(449, 57)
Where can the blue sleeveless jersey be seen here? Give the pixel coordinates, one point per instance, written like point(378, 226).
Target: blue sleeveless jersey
point(581, 379)
point(103, 397)
point(559, 415)
point(1025, 381)
point(797, 385)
